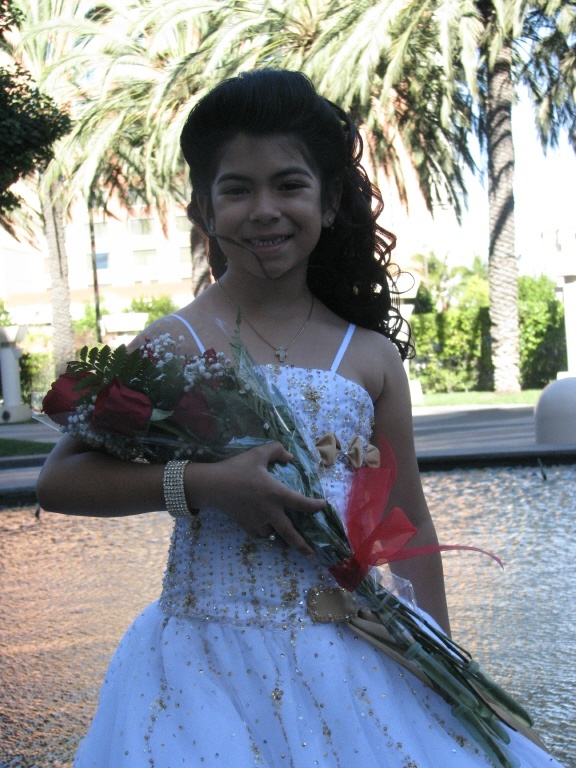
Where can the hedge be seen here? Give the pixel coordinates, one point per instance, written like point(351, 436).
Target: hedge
point(453, 347)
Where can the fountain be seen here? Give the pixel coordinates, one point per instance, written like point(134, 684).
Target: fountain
point(555, 412)
point(12, 408)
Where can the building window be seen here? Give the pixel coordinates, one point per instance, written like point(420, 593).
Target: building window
point(145, 258)
point(183, 224)
point(141, 226)
point(100, 229)
point(185, 254)
point(102, 260)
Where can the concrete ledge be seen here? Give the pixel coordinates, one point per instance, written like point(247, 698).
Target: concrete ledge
point(527, 455)
point(16, 462)
point(18, 497)
point(18, 474)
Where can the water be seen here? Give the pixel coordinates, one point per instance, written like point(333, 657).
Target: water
point(71, 586)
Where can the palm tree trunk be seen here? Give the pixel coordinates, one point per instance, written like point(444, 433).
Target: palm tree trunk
point(94, 270)
point(503, 267)
point(62, 330)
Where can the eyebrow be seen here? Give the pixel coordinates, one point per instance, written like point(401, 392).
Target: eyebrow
point(293, 169)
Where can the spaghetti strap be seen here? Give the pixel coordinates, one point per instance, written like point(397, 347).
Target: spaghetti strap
point(343, 347)
point(192, 332)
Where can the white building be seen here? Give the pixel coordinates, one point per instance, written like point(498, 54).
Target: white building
point(134, 260)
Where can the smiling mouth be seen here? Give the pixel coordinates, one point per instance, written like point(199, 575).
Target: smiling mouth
point(260, 242)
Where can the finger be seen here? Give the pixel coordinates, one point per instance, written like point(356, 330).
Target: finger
point(275, 451)
point(284, 529)
point(294, 500)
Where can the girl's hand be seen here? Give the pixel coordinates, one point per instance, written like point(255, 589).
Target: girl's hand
point(247, 493)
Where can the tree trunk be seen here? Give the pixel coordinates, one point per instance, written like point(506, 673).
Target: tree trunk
point(62, 330)
point(95, 283)
point(503, 267)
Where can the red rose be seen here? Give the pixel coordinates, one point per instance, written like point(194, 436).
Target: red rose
point(62, 399)
point(193, 414)
point(121, 410)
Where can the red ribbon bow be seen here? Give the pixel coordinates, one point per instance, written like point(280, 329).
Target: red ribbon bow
point(376, 538)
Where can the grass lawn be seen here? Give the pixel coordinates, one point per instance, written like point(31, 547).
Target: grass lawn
point(527, 397)
point(23, 447)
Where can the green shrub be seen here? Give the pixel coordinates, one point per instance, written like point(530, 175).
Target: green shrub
point(542, 332)
point(452, 350)
point(36, 376)
point(453, 347)
point(5, 318)
point(156, 306)
point(85, 329)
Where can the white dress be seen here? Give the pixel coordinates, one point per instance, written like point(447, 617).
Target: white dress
point(227, 668)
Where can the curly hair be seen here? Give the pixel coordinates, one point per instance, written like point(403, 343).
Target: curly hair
point(350, 269)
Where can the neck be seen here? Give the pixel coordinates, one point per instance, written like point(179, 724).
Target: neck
point(277, 319)
point(289, 293)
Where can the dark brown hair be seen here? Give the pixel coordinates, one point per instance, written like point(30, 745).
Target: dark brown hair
point(350, 268)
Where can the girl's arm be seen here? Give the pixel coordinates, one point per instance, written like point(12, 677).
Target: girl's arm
point(76, 480)
point(393, 421)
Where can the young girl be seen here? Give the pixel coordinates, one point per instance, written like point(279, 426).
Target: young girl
point(227, 668)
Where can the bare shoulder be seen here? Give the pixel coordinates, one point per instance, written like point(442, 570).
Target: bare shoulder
point(375, 360)
point(171, 325)
point(193, 322)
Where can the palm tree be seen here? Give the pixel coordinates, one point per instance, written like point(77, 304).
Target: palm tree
point(29, 124)
point(50, 31)
point(99, 62)
point(127, 137)
point(440, 73)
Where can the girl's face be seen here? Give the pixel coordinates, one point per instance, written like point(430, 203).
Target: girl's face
point(266, 198)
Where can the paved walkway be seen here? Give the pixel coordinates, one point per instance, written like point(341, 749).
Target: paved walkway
point(445, 437)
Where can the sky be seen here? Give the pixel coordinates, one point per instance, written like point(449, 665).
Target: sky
point(545, 208)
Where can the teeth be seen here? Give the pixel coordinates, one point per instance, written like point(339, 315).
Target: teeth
point(266, 243)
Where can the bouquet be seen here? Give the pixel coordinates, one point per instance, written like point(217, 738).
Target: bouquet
point(153, 405)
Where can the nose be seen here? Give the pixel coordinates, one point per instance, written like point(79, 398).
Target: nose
point(265, 208)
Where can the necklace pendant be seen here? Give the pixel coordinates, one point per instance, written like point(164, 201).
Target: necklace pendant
point(281, 354)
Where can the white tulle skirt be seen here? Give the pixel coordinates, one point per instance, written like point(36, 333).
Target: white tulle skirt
point(207, 694)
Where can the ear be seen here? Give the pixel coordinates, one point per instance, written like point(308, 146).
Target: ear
point(334, 197)
point(205, 205)
point(328, 218)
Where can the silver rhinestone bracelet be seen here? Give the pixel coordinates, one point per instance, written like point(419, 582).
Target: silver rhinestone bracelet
point(174, 495)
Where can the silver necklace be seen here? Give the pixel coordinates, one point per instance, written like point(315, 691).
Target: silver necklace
point(280, 352)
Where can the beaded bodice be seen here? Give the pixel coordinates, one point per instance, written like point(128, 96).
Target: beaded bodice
point(217, 572)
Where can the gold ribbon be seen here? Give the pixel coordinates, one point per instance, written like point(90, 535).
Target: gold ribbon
point(372, 457)
point(329, 447)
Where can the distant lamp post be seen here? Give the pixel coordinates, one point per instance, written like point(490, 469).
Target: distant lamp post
point(12, 409)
